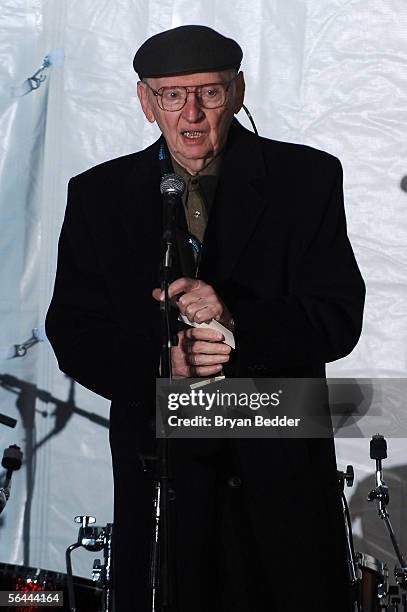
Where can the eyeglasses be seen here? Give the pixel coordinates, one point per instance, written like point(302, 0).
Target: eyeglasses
point(174, 98)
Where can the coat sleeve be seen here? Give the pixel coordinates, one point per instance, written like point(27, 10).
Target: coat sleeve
point(81, 323)
point(320, 318)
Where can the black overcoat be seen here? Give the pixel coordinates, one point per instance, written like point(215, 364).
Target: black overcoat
point(276, 250)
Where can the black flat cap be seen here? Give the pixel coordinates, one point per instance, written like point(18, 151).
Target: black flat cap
point(185, 50)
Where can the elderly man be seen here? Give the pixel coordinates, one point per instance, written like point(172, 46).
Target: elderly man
point(255, 524)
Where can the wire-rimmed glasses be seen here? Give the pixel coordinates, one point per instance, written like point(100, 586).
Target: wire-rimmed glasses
point(174, 97)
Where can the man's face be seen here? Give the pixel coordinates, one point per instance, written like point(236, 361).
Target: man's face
point(194, 134)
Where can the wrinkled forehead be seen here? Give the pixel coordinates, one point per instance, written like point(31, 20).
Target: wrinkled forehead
point(194, 79)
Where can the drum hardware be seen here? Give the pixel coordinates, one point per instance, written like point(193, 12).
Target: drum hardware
point(97, 571)
point(395, 600)
point(368, 577)
point(394, 607)
point(93, 538)
point(12, 460)
point(378, 452)
point(373, 585)
point(348, 478)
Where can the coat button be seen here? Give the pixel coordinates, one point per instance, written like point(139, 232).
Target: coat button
point(235, 482)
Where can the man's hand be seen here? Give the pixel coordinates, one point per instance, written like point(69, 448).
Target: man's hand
point(200, 352)
point(198, 301)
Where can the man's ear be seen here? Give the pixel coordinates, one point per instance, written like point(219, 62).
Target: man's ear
point(143, 96)
point(239, 92)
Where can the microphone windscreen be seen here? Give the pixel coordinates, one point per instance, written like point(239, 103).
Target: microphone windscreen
point(172, 184)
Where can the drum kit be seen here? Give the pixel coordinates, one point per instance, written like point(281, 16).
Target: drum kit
point(368, 577)
point(73, 593)
point(24, 589)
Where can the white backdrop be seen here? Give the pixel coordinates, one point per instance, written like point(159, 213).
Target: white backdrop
point(331, 74)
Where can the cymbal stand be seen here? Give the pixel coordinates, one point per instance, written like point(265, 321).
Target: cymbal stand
point(380, 493)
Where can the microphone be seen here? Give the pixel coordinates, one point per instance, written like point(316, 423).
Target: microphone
point(172, 184)
point(172, 187)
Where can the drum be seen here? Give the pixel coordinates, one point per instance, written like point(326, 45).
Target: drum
point(24, 579)
point(372, 587)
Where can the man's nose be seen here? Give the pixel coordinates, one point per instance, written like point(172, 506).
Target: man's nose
point(192, 110)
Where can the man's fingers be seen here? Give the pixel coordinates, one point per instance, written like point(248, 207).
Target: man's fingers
point(199, 359)
point(189, 306)
point(201, 333)
point(204, 294)
point(206, 371)
point(203, 315)
point(178, 288)
point(194, 298)
point(194, 357)
point(158, 295)
point(209, 348)
point(183, 285)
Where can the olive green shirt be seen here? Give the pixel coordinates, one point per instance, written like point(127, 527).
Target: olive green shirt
point(199, 194)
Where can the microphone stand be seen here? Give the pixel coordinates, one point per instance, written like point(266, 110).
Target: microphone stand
point(172, 187)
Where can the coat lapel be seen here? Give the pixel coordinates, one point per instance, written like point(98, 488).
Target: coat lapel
point(242, 194)
point(141, 208)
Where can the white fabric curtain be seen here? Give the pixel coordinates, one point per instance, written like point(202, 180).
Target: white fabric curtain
point(328, 74)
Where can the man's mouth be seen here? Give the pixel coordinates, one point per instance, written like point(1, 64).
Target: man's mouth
point(192, 134)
